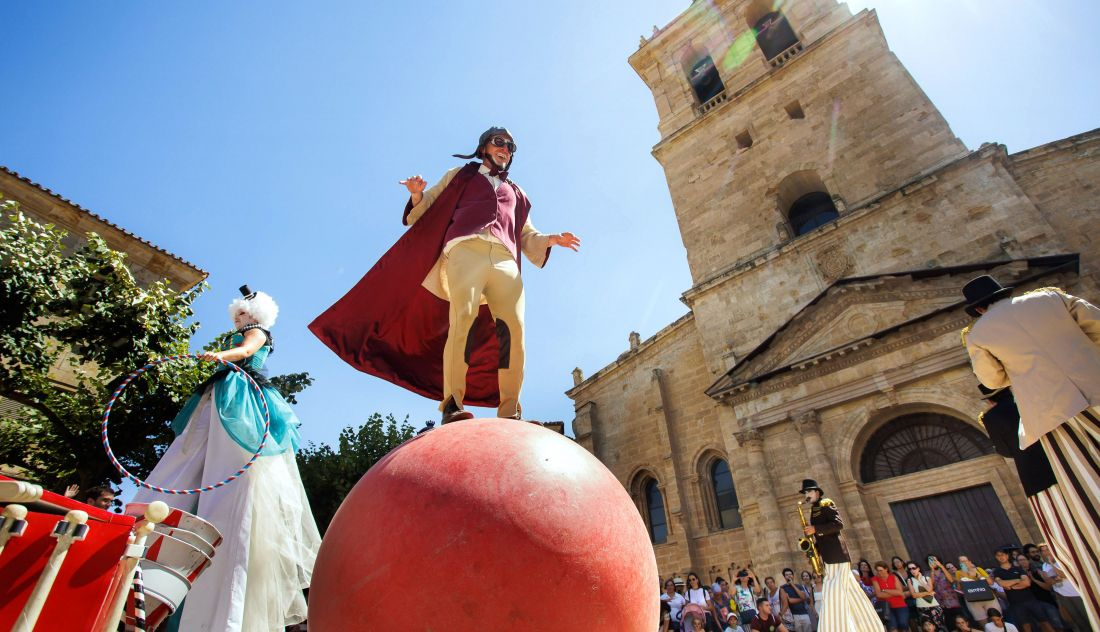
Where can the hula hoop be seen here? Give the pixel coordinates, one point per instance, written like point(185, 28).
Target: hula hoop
point(137, 481)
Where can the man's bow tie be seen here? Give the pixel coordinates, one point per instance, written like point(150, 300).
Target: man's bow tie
point(498, 173)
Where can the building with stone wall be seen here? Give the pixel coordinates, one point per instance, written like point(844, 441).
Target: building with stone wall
point(147, 262)
point(830, 218)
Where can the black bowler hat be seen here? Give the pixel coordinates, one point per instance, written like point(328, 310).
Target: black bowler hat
point(981, 291)
point(808, 484)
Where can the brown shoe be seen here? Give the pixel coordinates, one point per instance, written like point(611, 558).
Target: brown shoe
point(452, 412)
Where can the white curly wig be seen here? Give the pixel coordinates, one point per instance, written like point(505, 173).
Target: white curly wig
point(261, 308)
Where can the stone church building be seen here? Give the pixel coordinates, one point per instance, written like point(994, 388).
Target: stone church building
point(830, 219)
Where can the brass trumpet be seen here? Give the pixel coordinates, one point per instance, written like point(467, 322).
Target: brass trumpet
point(808, 545)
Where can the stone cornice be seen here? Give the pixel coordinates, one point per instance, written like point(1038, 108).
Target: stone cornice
point(630, 356)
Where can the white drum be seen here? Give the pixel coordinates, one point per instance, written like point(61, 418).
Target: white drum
point(184, 526)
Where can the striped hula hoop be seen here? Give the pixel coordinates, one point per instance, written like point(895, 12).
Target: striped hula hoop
point(137, 481)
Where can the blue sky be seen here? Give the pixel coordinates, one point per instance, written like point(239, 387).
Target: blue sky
point(263, 141)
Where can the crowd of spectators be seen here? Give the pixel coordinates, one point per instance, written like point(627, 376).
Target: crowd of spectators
point(1026, 591)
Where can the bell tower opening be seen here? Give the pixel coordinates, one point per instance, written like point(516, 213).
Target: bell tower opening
point(703, 77)
point(806, 202)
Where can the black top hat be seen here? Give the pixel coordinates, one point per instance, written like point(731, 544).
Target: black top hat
point(808, 484)
point(247, 293)
point(981, 291)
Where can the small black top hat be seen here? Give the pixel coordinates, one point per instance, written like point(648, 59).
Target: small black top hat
point(808, 484)
point(981, 291)
point(247, 293)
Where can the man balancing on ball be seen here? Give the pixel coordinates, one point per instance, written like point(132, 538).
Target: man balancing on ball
point(441, 313)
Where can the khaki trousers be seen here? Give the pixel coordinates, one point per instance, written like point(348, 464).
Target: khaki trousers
point(477, 267)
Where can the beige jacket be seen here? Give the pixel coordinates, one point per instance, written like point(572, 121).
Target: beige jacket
point(1046, 346)
point(532, 243)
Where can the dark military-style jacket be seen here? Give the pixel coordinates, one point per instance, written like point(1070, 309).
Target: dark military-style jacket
point(827, 523)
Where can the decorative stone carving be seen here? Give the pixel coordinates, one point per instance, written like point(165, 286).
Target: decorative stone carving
point(751, 438)
point(578, 376)
point(807, 422)
point(833, 262)
point(635, 340)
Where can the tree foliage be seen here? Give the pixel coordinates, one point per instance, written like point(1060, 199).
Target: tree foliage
point(73, 323)
point(329, 474)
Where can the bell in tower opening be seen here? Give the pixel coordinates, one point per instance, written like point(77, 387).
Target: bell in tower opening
point(704, 79)
point(774, 34)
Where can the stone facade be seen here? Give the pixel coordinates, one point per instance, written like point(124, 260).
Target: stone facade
point(808, 345)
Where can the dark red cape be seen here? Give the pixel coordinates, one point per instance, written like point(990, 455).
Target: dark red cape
point(391, 327)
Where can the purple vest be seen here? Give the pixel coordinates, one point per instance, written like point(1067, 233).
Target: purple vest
point(503, 212)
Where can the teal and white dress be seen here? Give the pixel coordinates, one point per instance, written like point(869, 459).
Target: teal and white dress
point(269, 538)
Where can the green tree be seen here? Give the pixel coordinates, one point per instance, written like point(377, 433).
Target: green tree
point(81, 311)
point(329, 474)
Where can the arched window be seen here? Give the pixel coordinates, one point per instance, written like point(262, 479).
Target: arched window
point(810, 211)
point(774, 34)
point(918, 442)
point(725, 495)
point(704, 79)
point(655, 511)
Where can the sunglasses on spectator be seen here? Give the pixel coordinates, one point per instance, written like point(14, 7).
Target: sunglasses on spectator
point(498, 141)
point(913, 568)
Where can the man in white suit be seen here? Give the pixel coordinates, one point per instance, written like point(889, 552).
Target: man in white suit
point(1045, 344)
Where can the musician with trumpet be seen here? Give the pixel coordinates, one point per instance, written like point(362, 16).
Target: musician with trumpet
point(844, 606)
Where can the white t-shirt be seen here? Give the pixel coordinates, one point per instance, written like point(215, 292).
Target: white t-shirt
point(989, 627)
point(1064, 587)
point(698, 596)
point(675, 604)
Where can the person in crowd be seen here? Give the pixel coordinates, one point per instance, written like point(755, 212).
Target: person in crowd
point(1045, 344)
point(977, 590)
point(997, 622)
point(867, 580)
point(920, 588)
point(961, 623)
point(807, 586)
point(699, 595)
point(943, 585)
point(891, 590)
point(1022, 603)
point(724, 605)
point(928, 625)
point(794, 604)
point(100, 497)
point(766, 620)
point(1042, 587)
point(1069, 599)
point(771, 591)
point(675, 602)
point(745, 594)
point(665, 624)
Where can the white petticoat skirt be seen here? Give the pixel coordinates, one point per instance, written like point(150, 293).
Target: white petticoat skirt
point(270, 539)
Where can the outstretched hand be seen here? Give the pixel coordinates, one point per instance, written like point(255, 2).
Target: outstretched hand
point(72, 490)
point(568, 240)
point(416, 186)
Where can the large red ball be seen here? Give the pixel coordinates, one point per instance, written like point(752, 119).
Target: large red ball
point(486, 525)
